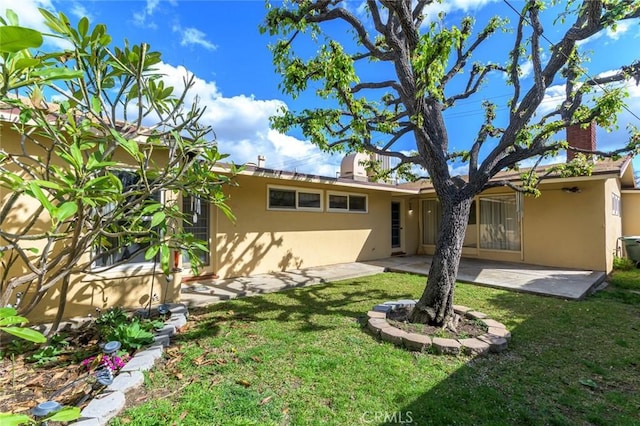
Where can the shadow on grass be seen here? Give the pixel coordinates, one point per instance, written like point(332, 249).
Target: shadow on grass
point(310, 307)
point(568, 363)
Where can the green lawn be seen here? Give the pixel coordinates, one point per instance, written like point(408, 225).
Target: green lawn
point(302, 357)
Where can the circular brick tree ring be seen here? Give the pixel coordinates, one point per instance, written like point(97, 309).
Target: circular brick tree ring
point(495, 340)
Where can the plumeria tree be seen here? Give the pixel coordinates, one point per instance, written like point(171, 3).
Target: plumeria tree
point(401, 70)
point(105, 148)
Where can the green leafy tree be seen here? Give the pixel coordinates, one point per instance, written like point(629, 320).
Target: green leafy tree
point(96, 161)
point(422, 67)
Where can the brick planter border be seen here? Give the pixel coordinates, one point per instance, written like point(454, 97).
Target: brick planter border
point(111, 401)
point(495, 340)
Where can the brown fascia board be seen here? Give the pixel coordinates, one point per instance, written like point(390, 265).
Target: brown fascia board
point(602, 169)
point(253, 170)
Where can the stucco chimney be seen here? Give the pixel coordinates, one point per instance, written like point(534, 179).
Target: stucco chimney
point(577, 137)
point(261, 160)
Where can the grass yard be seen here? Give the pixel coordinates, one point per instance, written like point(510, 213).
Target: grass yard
point(301, 357)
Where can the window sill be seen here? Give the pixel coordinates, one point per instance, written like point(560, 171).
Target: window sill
point(123, 271)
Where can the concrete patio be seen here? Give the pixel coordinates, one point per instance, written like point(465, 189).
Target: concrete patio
point(547, 281)
point(543, 280)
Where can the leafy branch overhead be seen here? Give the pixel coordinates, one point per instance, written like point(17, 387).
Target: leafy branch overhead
point(390, 85)
point(426, 68)
point(103, 151)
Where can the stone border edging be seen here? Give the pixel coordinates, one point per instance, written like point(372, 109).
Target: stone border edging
point(495, 340)
point(111, 401)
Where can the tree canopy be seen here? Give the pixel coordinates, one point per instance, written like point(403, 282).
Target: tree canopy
point(105, 151)
point(404, 69)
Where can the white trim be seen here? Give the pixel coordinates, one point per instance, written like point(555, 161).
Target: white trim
point(348, 195)
point(324, 180)
point(297, 191)
point(123, 271)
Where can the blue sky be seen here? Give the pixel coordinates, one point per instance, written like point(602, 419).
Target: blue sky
point(219, 42)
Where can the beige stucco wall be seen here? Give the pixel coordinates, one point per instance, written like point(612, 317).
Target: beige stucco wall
point(631, 212)
point(613, 221)
point(562, 229)
point(127, 287)
point(263, 240)
point(566, 229)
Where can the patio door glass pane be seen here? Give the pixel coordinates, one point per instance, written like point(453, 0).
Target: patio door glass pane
point(431, 216)
point(499, 223)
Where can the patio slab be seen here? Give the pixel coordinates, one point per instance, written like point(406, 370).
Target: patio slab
point(564, 283)
point(544, 280)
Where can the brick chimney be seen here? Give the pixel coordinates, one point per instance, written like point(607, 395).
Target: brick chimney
point(581, 138)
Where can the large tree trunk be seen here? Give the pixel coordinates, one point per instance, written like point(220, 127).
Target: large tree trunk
point(435, 307)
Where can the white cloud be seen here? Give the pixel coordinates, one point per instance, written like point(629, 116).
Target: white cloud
point(433, 9)
point(553, 97)
point(27, 11)
point(241, 124)
point(621, 28)
point(151, 6)
point(144, 17)
point(526, 69)
point(79, 11)
point(29, 16)
point(193, 36)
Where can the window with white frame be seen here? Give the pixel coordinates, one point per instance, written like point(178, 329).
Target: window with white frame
point(347, 202)
point(286, 198)
point(616, 205)
point(116, 250)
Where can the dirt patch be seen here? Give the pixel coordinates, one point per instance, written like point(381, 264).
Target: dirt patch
point(27, 378)
point(466, 328)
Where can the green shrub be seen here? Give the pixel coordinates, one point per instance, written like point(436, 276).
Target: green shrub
point(623, 263)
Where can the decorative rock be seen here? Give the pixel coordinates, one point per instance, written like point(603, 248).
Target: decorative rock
point(460, 310)
point(474, 346)
point(496, 344)
point(89, 421)
point(124, 382)
point(392, 335)
point(154, 351)
point(475, 315)
point(375, 314)
point(167, 330)
point(162, 340)
point(377, 324)
point(446, 346)
point(405, 303)
point(495, 340)
point(139, 363)
point(416, 342)
point(500, 332)
point(383, 308)
point(177, 320)
point(178, 308)
point(491, 323)
point(104, 408)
